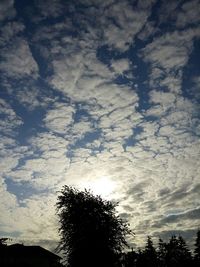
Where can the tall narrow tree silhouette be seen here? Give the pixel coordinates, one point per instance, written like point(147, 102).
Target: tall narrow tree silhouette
point(185, 256)
point(197, 249)
point(150, 254)
point(161, 253)
point(91, 233)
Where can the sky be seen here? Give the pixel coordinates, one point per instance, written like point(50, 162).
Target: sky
point(103, 95)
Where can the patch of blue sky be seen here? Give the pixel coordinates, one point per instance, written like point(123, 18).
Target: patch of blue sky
point(132, 140)
point(139, 80)
point(9, 234)
point(81, 113)
point(44, 66)
point(123, 79)
point(88, 138)
point(105, 54)
point(32, 123)
point(155, 12)
point(189, 88)
point(22, 161)
point(22, 190)
point(140, 75)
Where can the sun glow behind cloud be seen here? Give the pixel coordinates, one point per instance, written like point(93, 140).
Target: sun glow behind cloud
point(101, 185)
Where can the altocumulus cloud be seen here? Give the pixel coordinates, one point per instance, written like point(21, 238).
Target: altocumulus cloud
point(100, 94)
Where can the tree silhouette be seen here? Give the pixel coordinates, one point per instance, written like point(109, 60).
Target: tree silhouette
point(175, 253)
point(147, 257)
point(178, 254)
point(197, 249)
point(185, 256)
point(161, 254)
point(150, 253)
point(130, 259)
point(91, 233)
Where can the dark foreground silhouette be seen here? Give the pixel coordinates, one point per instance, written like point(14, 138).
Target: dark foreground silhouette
point(92, 235)
point(174, 253)
point(27, 256)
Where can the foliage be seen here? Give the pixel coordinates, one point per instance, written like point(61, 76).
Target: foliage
point(91, 233)
point(197, 249)
point(161, 253)
point(175, 253)
point(148, 257)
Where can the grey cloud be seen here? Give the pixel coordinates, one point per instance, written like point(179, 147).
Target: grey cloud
point(9, 31)
point(97, 2)
point(189, 13)
point(7, 9)
point(137, 191)
point(164, 192)
point(125, 216)
point(187, 234)
point(185, 193)
point(191, 215)
point(51, 8)
point(168, 10)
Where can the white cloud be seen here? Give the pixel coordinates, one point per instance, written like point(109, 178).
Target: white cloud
point(80, 128)
point(48, 169)
point(17, 60)
point(127, 24)
point(59, 118)
point(171, 50)
point(10, 120)
point(162, 98)
point(121, 65)
point(168, 54)
point(28, 221)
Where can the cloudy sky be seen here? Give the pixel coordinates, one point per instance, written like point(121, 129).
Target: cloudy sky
point(102, 95)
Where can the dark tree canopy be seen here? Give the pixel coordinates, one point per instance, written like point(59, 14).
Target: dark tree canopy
point(91, 233)
point(174, 253)
point(178, 253)
point(197, 249)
